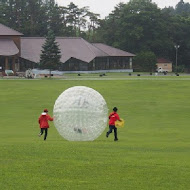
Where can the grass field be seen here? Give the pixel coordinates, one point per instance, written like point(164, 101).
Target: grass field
point(153, 151)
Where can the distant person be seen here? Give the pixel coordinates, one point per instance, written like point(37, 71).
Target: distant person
point(43, 121)
point(113, 117)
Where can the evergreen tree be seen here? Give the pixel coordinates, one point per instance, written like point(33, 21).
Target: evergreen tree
point(51, 54)
point(183, 9)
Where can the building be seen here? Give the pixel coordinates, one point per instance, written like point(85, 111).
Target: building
point(20, 53)
point(164, 65)
point(10, 48)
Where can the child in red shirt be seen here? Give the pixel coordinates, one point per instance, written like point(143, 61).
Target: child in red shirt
point(113, 117)
point(43, 121)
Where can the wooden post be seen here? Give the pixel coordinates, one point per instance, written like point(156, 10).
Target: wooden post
point(130, 63)
point(108, 63)
point(13, 64)
point(93, 65)
point(18, 64)
point(6, 63)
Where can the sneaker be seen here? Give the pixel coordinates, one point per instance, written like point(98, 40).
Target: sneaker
point(107, 135)
point(115, 139)
point(39, 135)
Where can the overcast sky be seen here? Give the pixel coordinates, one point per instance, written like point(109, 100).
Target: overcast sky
point(104, 7)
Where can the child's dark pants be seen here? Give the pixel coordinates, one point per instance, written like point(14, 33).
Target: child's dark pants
point(46, 132)
point(112, 127)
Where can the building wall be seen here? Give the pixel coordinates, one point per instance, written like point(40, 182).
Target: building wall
point(99, 63)
point(165, 66)
point(25, 65)
point(74, 65)
point(119, 63)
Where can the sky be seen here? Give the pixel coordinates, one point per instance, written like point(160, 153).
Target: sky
point(104, 7)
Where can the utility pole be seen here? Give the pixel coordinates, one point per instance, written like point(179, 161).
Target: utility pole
point(176, 47)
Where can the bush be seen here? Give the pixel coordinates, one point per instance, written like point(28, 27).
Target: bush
point(145, 61)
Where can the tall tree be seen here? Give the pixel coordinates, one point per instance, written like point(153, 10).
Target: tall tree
point(36, 18)
point(72, 17)
point(105, 32)
point(51, 54)
point(92, 25)
point(183, 9)
point(54, 17)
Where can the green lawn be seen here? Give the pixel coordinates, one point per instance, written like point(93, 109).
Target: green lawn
point(153, 151)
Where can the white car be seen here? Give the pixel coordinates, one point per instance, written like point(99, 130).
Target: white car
point(160, 70)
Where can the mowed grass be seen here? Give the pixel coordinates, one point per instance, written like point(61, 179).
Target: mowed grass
point(153, 151)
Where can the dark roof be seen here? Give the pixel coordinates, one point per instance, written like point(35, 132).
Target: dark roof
point(6, 31)
point(163, 60)
point(71, 47)
point(111, 51)
point(31, 48)
point(8, 47)
point(78, 48)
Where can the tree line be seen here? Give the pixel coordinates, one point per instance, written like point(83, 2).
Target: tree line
point(138, 26)
point(36, 17)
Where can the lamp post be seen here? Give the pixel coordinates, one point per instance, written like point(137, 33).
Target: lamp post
point(176, 47)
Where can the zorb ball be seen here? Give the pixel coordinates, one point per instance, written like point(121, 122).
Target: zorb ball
point(80, 114)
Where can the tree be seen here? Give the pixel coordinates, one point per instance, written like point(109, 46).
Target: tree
point(183, 9)
point(105, 32)
point(26, 16)
point(142, 23)
point(72, 17)
point(139, 26)
point(92, 25)
point(54, 17)
point(35, 18)
point(50, 57)
point(145, 61)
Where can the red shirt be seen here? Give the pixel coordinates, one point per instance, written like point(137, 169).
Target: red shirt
point(43, 120)
point(113, 117)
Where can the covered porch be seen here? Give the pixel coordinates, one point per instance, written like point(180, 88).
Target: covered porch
point(99, 63)
point(9, 63)
point(9, 55)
